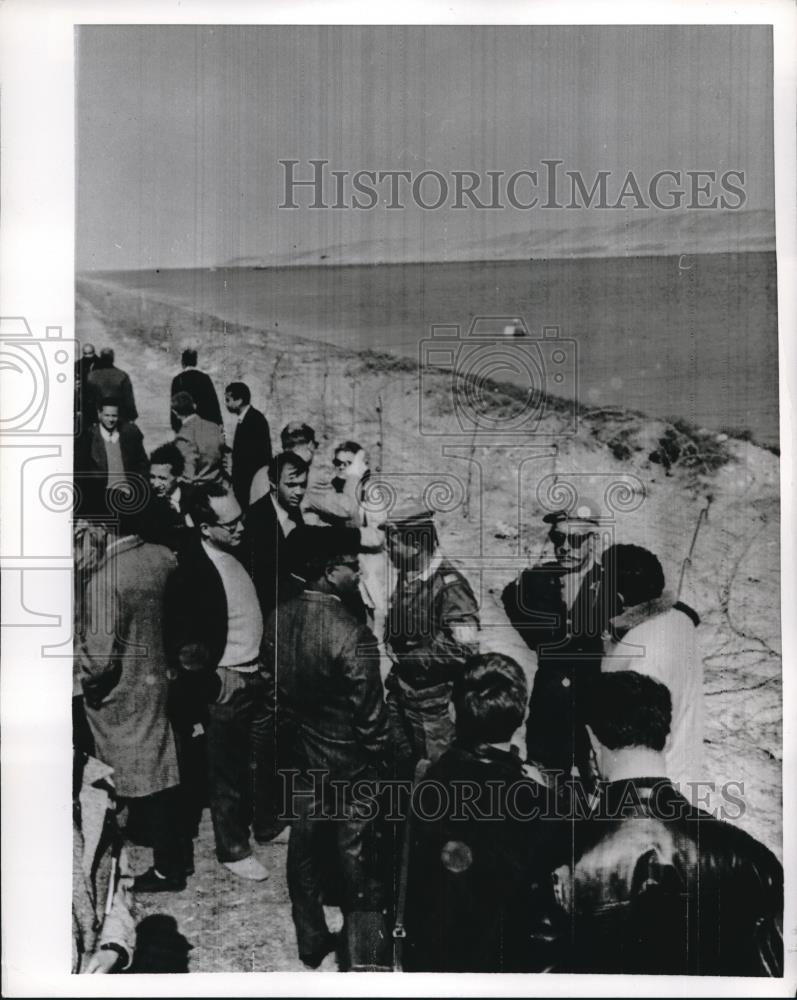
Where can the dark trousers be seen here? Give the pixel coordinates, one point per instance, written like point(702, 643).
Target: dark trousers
point(240, 750)
point(339, 856)
point(160, 814)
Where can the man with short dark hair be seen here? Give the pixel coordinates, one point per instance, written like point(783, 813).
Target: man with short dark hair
point(106, 380)
point(170, 492)
point(656, 886)
point(200, 388)
point(431, 629)
point(108, 457)
point(329, 693)
point(269, 522)
point(216, 630)
point(251, 446)
point(558, 607)
point(199, 440)
point(474, 858)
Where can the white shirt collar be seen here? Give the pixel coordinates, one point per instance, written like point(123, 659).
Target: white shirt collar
point(434, 565)
point(112, 436)
point(284, 518)
point(244, 411)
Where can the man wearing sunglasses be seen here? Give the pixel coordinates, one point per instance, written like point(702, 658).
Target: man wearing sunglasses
point(557, 607)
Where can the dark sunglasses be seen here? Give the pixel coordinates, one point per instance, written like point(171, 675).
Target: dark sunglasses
point(575, 541)
point(230, 525)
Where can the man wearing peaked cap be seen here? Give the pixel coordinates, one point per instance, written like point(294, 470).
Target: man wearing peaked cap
point(432, 627)
point(559, 608)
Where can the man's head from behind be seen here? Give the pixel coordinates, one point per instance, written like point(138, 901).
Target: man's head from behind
point(628, 711)
point(166, 465)
point(489, 699)
point(106, 358)
point(237, 395)
point(300, 439)
point(633, 573)
point(188, 358)
point(183, 405)
point(288, 475)
point(108, 414)
point(216, 515)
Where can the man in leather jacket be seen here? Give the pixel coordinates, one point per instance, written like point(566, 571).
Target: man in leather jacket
point(333, 734)
point(656, 885)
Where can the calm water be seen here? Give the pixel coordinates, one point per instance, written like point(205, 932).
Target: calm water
point(694, 337)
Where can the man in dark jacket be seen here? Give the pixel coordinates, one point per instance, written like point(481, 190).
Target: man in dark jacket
point(109, 455)
point(215, 635)
point(478, 839)
point(269, 522)
point(431, 629)
point(655, 885)
point(558, 608)
point(199, 387)
point(326, 665)
point(251, 446)
point(106, 380)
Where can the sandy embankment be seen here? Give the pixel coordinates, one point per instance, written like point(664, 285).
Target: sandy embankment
point(377, 400)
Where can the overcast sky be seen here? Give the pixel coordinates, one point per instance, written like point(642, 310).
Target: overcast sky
point(180, 129)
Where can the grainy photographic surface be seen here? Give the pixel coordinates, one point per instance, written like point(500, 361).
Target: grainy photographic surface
point(427, 500)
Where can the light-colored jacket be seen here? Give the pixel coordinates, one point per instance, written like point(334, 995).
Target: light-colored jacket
point(659, 641)
point(101, 881)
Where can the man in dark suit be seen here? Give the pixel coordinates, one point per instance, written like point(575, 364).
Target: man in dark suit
point(106, 381)
point(251, 446)
point(107, 455)
point(199, 387)
point(268, 524)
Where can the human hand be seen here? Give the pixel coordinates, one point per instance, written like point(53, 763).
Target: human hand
point(102, 962)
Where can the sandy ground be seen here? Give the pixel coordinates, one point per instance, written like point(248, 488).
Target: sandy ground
point(490, 490)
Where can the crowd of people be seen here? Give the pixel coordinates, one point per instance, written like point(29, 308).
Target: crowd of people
point(257, 642)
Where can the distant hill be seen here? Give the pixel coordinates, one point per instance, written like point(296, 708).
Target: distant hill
point(616, 235)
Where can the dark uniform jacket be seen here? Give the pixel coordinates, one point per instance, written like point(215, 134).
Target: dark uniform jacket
point(473, 871)
point(658, 886)
point(200, 388)
point(329, 692)
point(251, 450)
point(423, 611)
point(569, 647)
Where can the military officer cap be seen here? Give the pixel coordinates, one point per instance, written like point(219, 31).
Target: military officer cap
point(582, 511)
point(408, 515)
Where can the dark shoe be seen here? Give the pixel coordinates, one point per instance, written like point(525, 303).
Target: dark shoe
point(268, 834)
point(153, 881)
point(314, 960)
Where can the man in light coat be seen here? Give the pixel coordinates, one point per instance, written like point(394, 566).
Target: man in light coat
point(125, 685)
point(655, 635)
